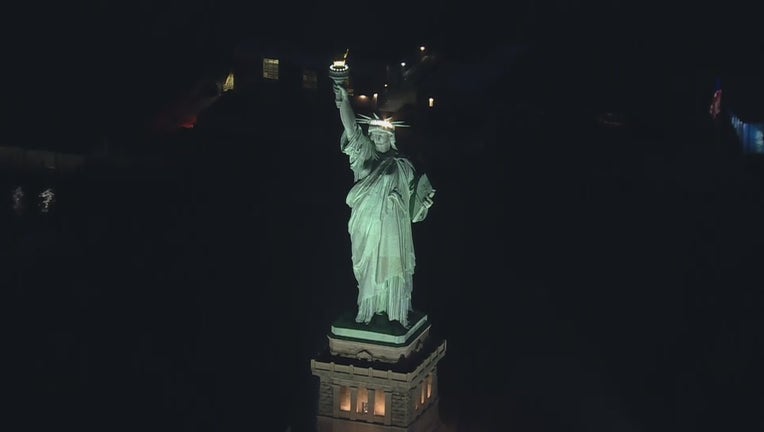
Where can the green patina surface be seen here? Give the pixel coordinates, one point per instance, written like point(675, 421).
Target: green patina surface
point(379, 329)
point(378, 324)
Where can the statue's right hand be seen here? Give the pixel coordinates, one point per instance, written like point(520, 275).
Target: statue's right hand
point(341, 93)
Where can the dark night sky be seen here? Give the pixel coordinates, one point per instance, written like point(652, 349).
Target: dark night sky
point(113, 55)
point(613, 278)
point(121, 50)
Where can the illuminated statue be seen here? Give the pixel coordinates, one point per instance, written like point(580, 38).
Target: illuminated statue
point(388, 195)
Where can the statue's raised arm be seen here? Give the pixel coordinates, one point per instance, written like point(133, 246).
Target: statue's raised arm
point(347, 115)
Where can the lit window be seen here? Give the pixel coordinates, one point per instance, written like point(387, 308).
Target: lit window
point(362, 402)
point(379, 402)
point(428, 380)
point(271, 68)
point(309, 79)
point(431, 102)
point(422, 389)
point(344, 399)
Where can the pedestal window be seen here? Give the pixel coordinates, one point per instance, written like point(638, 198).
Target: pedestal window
point(362, 403)
point(345, 398)
point(379, 403)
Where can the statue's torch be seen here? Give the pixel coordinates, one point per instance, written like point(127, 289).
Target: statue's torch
point(339, 71)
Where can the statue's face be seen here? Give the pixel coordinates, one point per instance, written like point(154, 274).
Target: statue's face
point(381, 141)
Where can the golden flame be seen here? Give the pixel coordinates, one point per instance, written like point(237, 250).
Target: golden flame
point(341, 64)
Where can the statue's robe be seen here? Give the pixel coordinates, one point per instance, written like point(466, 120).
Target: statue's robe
point(380, 228)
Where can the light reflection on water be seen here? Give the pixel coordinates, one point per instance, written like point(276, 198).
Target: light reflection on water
point(24, 197)
point(47, 198)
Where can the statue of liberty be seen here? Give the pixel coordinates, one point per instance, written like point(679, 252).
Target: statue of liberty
point(387, 197)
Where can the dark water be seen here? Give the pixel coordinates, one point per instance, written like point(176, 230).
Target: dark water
point(585, 278)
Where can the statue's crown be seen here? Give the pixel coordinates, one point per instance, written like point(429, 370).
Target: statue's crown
point(377, 123)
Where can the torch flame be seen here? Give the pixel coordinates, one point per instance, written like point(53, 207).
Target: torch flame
point(340, 64)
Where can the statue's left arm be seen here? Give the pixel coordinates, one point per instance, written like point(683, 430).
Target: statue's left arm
point(422, 198)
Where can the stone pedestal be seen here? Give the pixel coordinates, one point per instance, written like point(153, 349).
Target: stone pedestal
point(379, 377)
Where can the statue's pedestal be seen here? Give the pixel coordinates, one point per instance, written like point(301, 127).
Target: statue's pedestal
point(380, 340)
point(379, 376)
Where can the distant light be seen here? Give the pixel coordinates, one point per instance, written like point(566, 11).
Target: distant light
point(188, 123)
point(431, 102)
point(421, 48)
point(228, 85)
point(375, 95)
point(17, 196)
point(361, 96)
point(403, 64)
point(385, 85)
